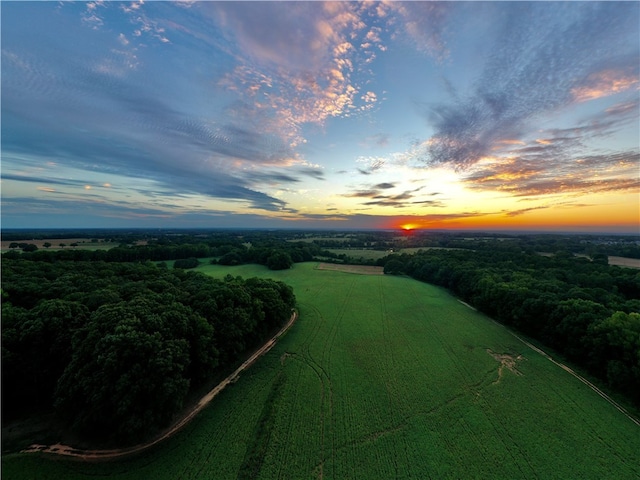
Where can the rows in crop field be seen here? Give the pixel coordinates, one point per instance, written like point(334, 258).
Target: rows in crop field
point(511, 434)
point(443, 363)
point(365, 408)
point(319, 353)
point(297, 442)
point(215, 452)
point(298, 439)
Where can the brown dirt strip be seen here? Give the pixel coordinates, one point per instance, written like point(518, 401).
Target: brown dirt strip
point(67, 450)
point(360, 269)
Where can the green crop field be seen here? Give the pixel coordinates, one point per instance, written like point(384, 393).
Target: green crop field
point(384, 377)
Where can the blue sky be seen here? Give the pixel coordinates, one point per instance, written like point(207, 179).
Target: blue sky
point(479, 115)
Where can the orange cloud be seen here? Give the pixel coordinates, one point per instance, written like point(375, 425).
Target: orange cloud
point(511, 142)
point(603, 84)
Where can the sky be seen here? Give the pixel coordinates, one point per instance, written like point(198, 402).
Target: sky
point(337, 115)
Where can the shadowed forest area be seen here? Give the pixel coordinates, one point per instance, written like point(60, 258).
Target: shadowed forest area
point(115, 348)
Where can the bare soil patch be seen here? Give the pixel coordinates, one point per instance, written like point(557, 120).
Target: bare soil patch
point(506, 361)
point(359, 269)
point(625, 262)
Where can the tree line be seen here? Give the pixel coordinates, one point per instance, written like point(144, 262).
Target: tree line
point(584, 309)
point(274, 253)
point(115, 348)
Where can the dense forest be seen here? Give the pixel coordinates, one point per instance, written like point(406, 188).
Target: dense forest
point(115, 348)
point(583, 308)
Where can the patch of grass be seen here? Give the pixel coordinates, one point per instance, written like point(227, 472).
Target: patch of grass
point(360, 253)
point(386, 377)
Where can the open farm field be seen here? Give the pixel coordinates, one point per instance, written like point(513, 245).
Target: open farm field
point(384, 377)
point(369, 254)
point(625, 262)
point(82, 243)
point(360, 269)
point(619, 261)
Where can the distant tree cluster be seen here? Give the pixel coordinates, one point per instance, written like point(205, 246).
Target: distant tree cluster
point(115, 348)
point(26, 247)
point(275, 253)
point(583, 308)
point(186, 263)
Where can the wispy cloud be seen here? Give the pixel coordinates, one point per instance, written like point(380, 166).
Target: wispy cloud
point(423, 23)
point(44, 180)
point(371, 164)
point(537, 44)
point(539, 174)
point(378, 195)
point(300, 67)
point(606, 82)
point(105, 122)
point(559, 161)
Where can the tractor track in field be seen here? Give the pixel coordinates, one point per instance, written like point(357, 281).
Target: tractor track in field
point(110, 454)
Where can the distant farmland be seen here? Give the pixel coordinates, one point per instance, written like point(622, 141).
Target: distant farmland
point(385, 377)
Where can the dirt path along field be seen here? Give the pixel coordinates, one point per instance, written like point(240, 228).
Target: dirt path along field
point(69, 451)
point(361, 269)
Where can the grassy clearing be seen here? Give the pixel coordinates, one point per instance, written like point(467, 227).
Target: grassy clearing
point(385, 377)
point(368, 254)
point(360, 253)
point(359, 269)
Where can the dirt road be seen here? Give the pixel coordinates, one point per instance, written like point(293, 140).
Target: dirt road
point(58, 449)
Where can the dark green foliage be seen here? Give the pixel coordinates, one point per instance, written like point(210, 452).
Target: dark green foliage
point(116, 347)
point(231, 258)
point(185, 263)
point(394, 267)
point(279, 261)
point(615, 351)
point(126, 376)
